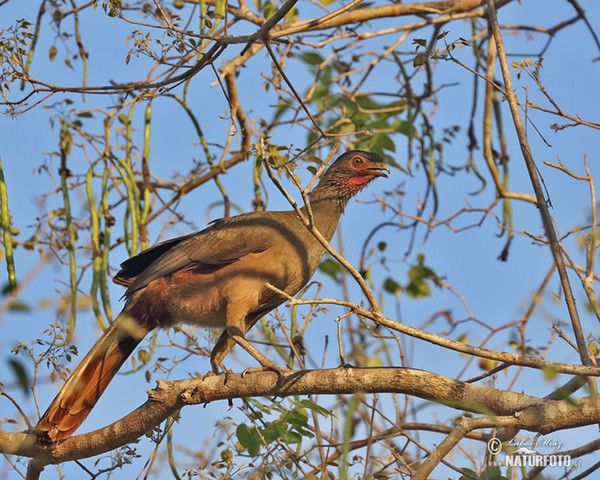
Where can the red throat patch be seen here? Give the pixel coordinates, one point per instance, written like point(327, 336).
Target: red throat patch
point(360, 181)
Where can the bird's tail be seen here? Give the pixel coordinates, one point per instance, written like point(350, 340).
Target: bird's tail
point(84, 387)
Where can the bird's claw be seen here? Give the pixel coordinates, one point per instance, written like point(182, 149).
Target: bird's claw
point(281, 372)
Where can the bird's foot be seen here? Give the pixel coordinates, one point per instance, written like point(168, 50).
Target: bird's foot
point(345, 364)
point(210, 373)
point(266, 363)
point(217, 369)
point(281, 372)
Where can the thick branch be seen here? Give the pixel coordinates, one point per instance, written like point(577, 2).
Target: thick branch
point(525, 411)
point(384, 11)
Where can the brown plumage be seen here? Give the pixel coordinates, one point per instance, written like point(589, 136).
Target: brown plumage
point(215, 278)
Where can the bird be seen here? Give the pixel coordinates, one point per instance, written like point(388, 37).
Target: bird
point(218, 278)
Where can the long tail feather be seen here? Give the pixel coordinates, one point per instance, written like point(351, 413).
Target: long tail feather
point(84, 387)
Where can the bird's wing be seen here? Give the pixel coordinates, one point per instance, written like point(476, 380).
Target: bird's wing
point(134, 266)
point(220, 244)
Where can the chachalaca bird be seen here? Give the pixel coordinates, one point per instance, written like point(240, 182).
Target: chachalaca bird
point(215, 278)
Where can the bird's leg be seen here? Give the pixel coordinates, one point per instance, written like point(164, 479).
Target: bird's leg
point(220, 351)
point(267, 364)
point(224, 346)
point(236, 326)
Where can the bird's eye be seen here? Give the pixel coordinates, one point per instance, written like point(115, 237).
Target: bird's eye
point(357, 161)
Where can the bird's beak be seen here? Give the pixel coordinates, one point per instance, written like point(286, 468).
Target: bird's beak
point(378, 169)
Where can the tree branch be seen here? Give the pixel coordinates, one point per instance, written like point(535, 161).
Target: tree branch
point(523, 411)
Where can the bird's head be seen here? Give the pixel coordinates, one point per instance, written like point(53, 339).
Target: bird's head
point(349, 174)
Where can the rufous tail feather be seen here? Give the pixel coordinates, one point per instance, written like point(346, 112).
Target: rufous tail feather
point(87, 383)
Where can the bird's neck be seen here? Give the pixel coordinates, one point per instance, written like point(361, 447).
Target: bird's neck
point(326, 207)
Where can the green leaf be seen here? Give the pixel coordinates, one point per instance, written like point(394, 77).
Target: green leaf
point(367, 102)
point(386, 142)
point(21, 374)
point(52, 53)
point(249, 439)
point(469, 474)
point(314, 407)
point(243, 434)
point(272, 432)
point(377, 143)
point(268, 9)
point(292, 15)
point(297, 417)
point(420, 272)
point(419, 60)
point(255, 415)
point(404, 127)
point(418, 289)
point(390, 285)
point(289, 436)
point(259, 406)
point(19, 306)
point(281, 110)
point(330, 267)
point(311, 58)
point(494, 473)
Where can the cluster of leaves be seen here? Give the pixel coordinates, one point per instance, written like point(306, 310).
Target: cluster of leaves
point(337, 112)
point(418, 284)
point(489, 473)
point(290, 427)
point(14, 45)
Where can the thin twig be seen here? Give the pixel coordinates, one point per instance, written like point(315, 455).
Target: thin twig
point(287, 80)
